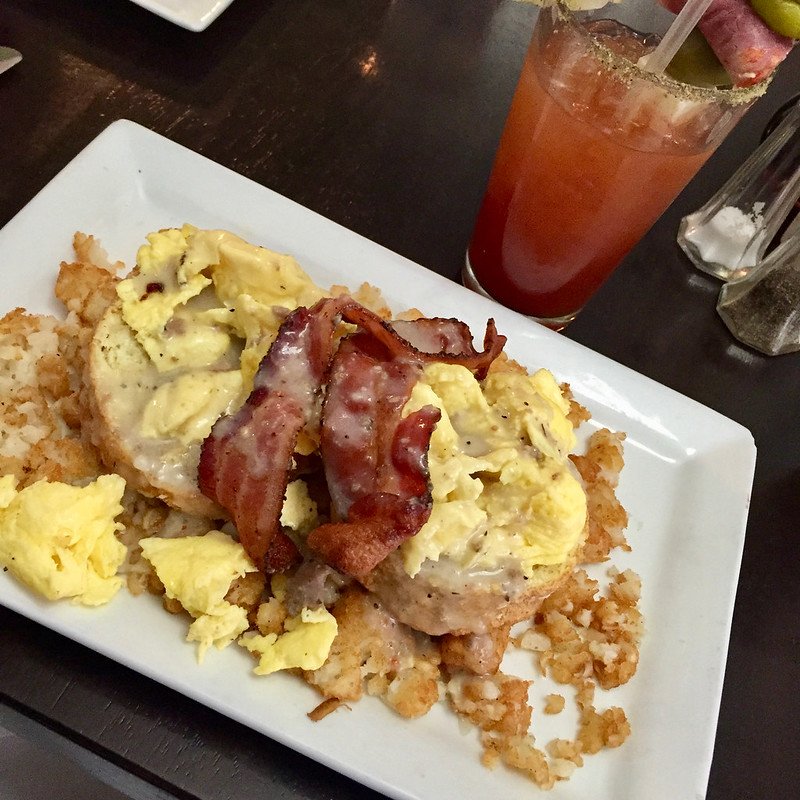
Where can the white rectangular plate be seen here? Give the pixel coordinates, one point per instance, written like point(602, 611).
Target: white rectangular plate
point(194, 15)
point(686, 485)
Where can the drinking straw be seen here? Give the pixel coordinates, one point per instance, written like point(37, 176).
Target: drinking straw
point(792, 230)
point(681, 27)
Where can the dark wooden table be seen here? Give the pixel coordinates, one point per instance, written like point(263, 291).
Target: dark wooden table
point(384, 115)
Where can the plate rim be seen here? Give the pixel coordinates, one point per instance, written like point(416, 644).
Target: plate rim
point(732, 433)
point(195, 21)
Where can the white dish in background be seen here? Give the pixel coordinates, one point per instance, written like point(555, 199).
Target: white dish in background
point(9, 57)
point(194, 15)
point(686, 486)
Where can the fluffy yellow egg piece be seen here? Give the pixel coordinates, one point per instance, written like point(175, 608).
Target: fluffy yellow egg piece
point(305, 644)
point(159, 287)
point(186, 408)
point(197, 571)
point(240, 268)
point(194, 291)
point(59, 539)
point(299, 511)
point(180, 350)
point(502, 484)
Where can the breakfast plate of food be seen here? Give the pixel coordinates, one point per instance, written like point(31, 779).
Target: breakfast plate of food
point(345, 501)
point(194, 15)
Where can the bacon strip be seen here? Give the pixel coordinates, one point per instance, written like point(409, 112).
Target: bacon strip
point(435, 335)
point(380, 483)
point(361, 415)
point(245, 460)
point(375, 461)
point(378, 521)
point(386, 334)
point(371, 379)
point(745, 45)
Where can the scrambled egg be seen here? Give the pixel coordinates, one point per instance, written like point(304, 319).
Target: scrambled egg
point(502, 485)
point(308, 637)
point(197, 571)
point(205, 306)
point(188, 406)
point(305, 645)
point(59, 539)
point(299, 511)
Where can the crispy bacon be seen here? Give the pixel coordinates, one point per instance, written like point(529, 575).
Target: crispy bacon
point(371, 379)
point(378, 522)
point(435, 335)
point(362, 408)
point(386, 334)
point(375, 461)
point(245, 460)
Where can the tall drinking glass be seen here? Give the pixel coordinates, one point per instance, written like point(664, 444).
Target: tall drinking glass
point(594, 150)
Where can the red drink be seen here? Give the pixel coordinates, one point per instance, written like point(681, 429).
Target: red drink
point(591, 155)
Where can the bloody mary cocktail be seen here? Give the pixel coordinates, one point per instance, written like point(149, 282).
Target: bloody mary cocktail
point(594, 149)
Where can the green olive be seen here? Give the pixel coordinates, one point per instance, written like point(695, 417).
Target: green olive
point(696, 64)
point(783, 16)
